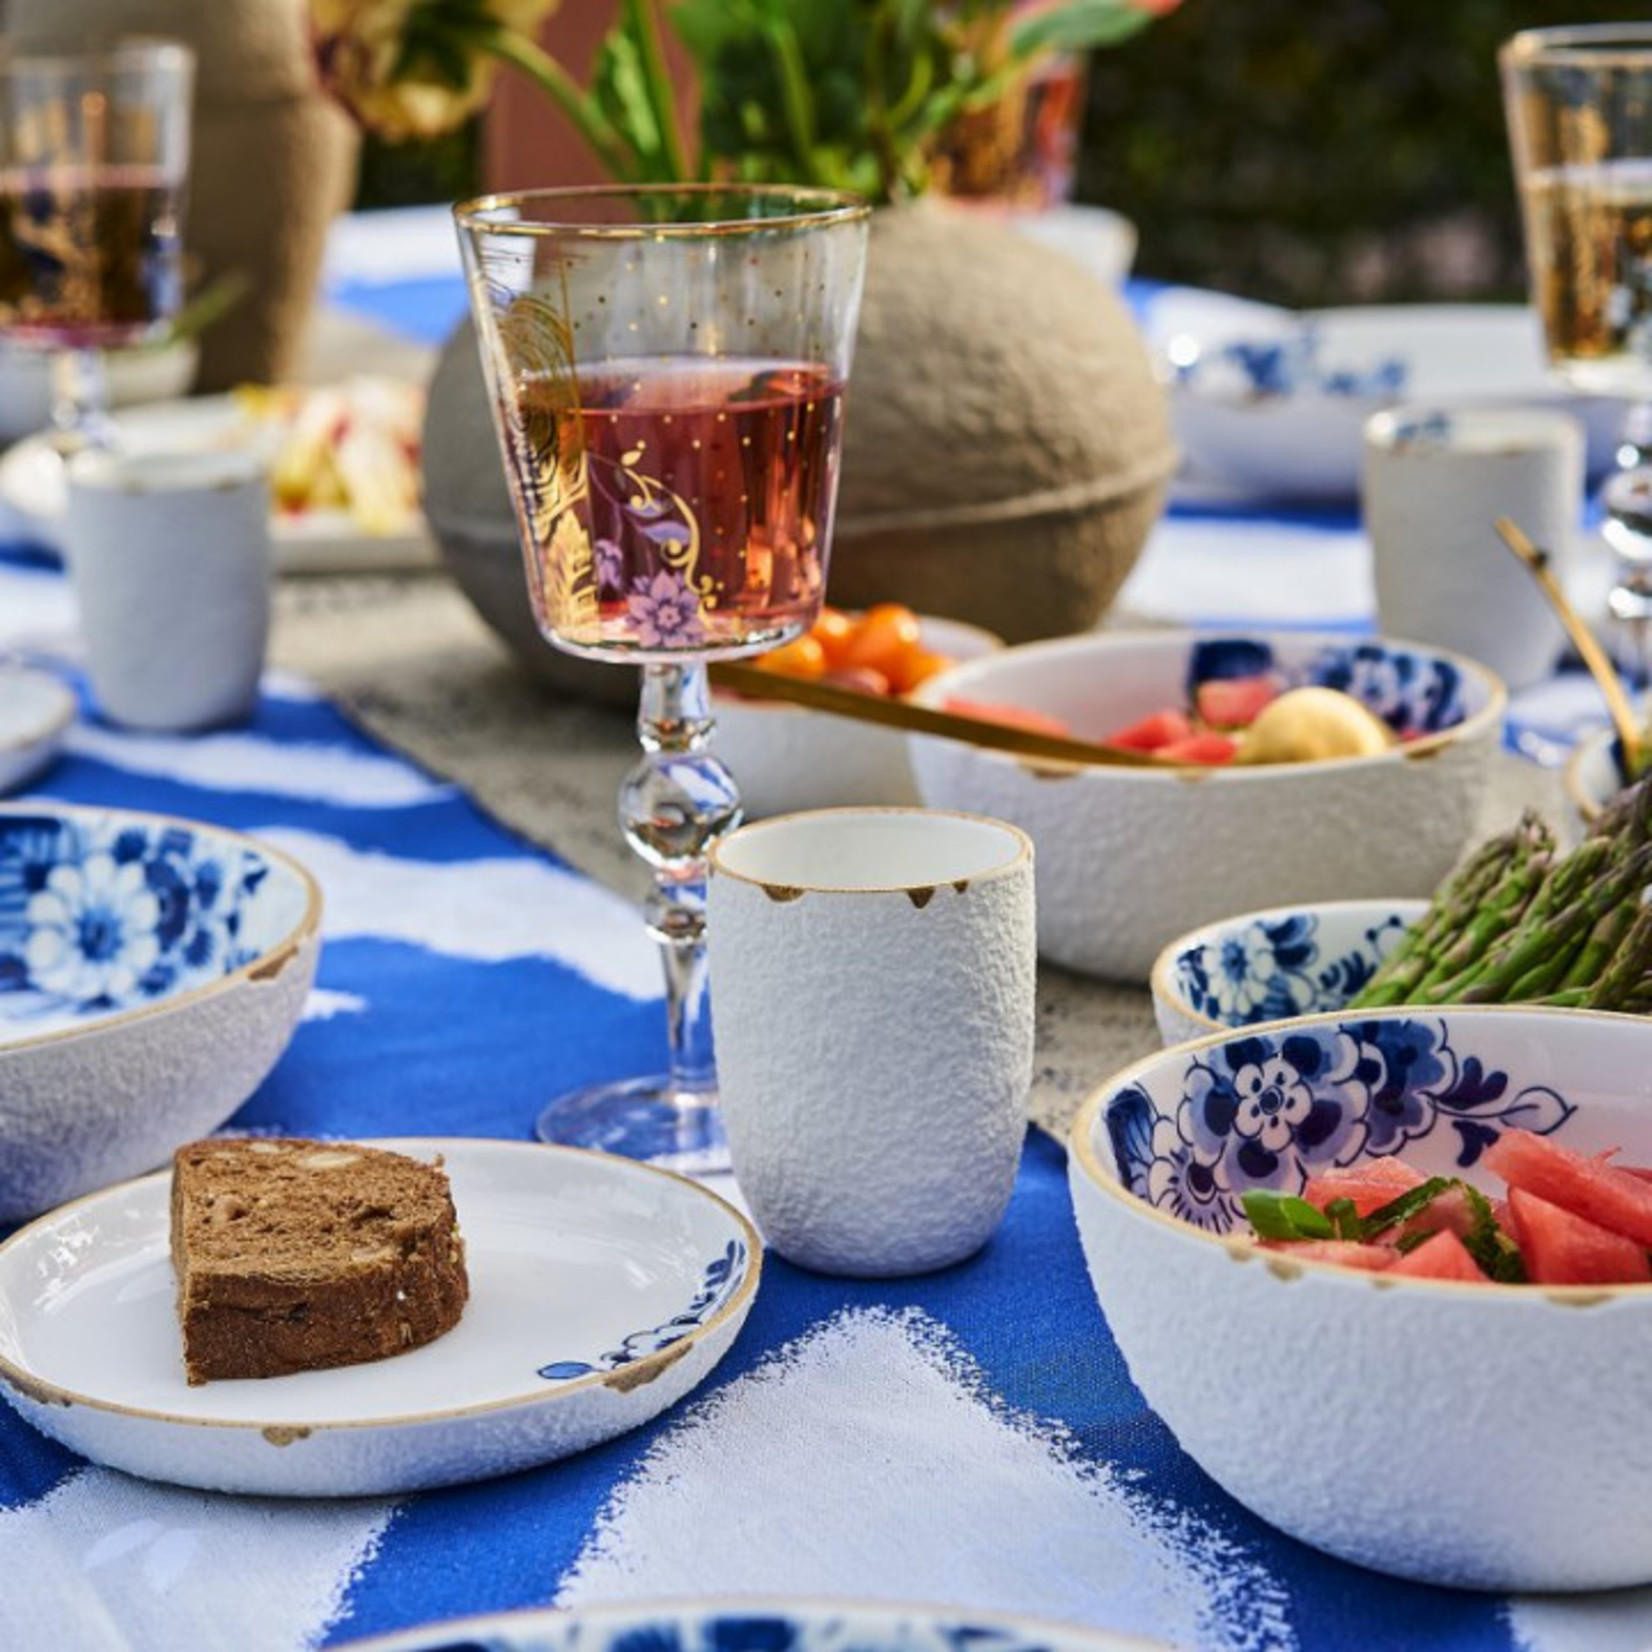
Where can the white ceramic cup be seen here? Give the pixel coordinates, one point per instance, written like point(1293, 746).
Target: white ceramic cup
point(1435, 481)
point(872, 980)
point(170, 561)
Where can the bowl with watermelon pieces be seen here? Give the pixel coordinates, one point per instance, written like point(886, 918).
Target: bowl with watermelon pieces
point(1290, 769)
point(1274, 965)
point(1386, 1279)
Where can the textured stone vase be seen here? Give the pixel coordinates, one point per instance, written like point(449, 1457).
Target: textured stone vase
point(273, 160)
point(1005, 454)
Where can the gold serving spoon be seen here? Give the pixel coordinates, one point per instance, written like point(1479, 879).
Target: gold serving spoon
point(1618, 705)
point(755, 684)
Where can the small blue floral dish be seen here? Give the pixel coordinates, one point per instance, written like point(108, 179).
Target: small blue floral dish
point(151, 971)
point(1466, 1434)
point(1269, 966)
point(751, 1624)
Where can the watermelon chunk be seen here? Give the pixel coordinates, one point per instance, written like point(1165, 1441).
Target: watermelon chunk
point(1562, 1248)
point(1162, 728)
point(1015, 716)
point(1444, 1256)
point(1346, 1253)
point(1370, 1184)
point(1233, 702)
point(1599, 1193)
point(1209, 749)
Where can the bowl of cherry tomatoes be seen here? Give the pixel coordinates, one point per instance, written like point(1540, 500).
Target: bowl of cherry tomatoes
point(785, 758)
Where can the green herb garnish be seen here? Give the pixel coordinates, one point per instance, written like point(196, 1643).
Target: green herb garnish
point(1284, 1216)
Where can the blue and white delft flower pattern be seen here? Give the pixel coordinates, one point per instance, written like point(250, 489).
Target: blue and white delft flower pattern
point(1272, 968)
point(102, 916)
point(1271, 1110)
point(723, 1277)
point(1277, 368)
point(1412, 692)
point(685, 1630)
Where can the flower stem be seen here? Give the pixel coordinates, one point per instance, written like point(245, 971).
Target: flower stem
point(645, 26)
point(604, 140)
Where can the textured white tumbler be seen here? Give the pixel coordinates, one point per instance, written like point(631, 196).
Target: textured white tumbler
point(1435, 481)
point(872, 980)
point(170, 561)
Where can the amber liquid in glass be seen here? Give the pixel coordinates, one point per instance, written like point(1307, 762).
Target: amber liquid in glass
point(89, 256)
point(1589, 233)
point(680, 504)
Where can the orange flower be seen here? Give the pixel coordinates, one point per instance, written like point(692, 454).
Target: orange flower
point(415, 68)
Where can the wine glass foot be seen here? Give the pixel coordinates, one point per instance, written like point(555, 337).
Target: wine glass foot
point(641, 1118)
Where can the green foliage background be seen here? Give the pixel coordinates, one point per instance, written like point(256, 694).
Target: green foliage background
point(1305, 151)
point(1316, 152)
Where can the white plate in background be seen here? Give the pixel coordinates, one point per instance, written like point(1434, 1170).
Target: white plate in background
point(35, 713)
point(32, 497)
point(1304, 442)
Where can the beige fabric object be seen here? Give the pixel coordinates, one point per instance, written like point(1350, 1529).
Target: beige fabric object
point(274, 160)
point(1007, 445)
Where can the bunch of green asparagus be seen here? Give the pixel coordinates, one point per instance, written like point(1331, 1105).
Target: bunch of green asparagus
point(1521, 923)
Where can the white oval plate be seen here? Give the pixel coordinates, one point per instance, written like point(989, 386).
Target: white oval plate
point(317, 541)
point(753, 1622)
point(35, 712)
point(1308, 444)
point(602, 1291)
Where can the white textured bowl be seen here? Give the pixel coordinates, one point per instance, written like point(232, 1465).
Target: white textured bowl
point(1128, 858)
point(1488, 1437)
point(1592, 777)
point(1268, 966)
point(785, 759)
point(151, 972)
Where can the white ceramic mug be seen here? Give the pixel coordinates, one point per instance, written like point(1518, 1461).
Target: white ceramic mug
point(872, 980)
point(1435, 481)
point(170, 560)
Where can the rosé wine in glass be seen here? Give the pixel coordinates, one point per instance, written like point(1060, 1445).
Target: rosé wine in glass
point(704, 491)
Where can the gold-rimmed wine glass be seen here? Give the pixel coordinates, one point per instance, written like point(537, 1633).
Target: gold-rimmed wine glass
point(667, 368)
point(1579, 107)
point(94, 160)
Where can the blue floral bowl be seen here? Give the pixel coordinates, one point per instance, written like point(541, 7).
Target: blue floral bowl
point(151, 971)
point(1270, 966)
point(1483, 1436)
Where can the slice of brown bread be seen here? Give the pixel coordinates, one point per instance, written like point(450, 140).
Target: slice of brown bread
point(294, 1255)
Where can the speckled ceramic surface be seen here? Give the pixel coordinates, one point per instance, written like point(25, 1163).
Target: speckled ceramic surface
point(602, 1291)
point(1129, 858)
point(151, 972)
point(755, 1625)
point(1267, 966)
point(874, 1007)
point(1488, 1437)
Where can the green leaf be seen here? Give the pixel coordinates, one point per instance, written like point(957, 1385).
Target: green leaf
point(1344, 1216)
point(620, 88)
point(1078, 27)
point(1284, 1216)
point(1494, 1252)
point(1413, 1202)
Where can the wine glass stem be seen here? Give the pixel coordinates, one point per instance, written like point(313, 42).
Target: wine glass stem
point(80, 400)
point(673, 806)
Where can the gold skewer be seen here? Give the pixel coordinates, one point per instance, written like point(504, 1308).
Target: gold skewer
point(755, 684)
point(1593, 655)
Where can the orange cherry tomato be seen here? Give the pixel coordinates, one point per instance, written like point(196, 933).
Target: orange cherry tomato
point(801, 657)
point(919, 667)
point(832, 631)
point(885, 639)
